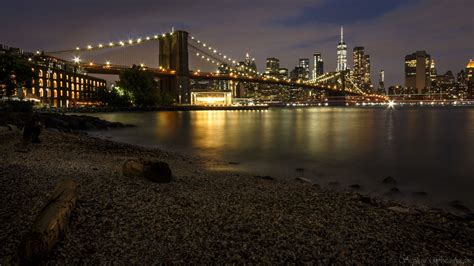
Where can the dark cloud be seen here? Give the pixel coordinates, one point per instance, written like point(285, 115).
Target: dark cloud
point(388, 29)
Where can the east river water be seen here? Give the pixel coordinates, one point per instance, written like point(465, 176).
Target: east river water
point(425, 149)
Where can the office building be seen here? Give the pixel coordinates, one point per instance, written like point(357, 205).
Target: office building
point(417, 71)
point(361, 71)
point(341, 53)
point(304, 63)
point(318, 66)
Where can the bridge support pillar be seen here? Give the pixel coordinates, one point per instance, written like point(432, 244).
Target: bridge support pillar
point(174, 57)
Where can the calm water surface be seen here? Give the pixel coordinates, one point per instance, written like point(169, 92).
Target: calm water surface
point(425, 149)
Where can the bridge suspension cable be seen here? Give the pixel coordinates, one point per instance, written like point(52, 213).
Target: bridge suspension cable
point(113, 44)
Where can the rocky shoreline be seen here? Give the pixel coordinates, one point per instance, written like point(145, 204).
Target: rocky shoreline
point(61, 122)
point(208, 214)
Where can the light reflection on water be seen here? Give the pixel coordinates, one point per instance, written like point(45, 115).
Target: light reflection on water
point(425, 149)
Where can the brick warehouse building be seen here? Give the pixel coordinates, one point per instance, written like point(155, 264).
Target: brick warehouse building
point(56, 82)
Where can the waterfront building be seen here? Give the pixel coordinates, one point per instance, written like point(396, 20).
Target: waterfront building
point(272, 67)
point(341, 53)
point(417, 71)
point(304, 63)
point(56, 82)
point(361, 71)
point(318, 66)
point(211, 98)
point(470, 78)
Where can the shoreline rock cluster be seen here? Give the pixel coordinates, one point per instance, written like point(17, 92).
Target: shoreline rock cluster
point(61, 122)
point(206, 215)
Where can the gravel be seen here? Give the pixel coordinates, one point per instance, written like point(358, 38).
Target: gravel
point(207, 214)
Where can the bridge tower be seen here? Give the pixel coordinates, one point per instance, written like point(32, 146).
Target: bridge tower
point(174, 56)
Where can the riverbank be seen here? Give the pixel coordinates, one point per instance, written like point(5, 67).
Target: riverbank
point(60, 122)
point(208, 214)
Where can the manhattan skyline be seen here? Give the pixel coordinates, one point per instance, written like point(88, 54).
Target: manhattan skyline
point(288, 31)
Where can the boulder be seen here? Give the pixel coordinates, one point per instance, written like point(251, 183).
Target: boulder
point(395, 190)
point(355, 186)
point(265, 177)
point(389, 180)
point(302, 179)
point(458, 205)
point(420, 193)
point(399, 209)
point(155, 171)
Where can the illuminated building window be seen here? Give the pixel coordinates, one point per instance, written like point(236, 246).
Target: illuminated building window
point(41, 93)
point(72, 95)
point(67, 93)
point(40, 82)
point(61, 84)
point(48, 83)
point(82, 87)
point(47, 75)
point(55, 84)
point(61, 93)
point(67, 85)
point(72, 86)
point(77, 95)
point(40, 73)
point(61, 75)
point(77, 79)
point(48, 93)
point(55, 76)
point(33, 91)
point(82, 80)
point(55, 93)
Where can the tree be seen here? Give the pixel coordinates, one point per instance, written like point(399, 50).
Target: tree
point(15, 72)
point(141, 85)
point(114, 97)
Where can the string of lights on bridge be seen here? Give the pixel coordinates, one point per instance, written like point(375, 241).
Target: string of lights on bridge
point(207, 53)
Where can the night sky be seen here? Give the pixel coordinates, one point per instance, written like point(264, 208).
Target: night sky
point(288, 30)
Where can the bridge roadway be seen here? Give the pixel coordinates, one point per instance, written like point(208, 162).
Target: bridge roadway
point(116, 69)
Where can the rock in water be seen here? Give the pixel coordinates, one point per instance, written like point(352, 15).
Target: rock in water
point(389, 180)
point(155, 171)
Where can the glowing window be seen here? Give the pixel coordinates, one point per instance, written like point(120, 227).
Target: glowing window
point(40, 82)
point(40, 73)
point(41, 92)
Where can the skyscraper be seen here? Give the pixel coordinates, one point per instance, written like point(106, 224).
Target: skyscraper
point(341, 53)
point(318, 65)
point(382, 82)
point(304, 63)
point(417, 70)
point(361, 73)
point(273, 64)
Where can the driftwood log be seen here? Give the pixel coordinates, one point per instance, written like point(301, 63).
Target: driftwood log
point(155, 171)
point(50, 223)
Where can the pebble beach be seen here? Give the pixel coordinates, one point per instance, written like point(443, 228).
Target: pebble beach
point(208, 214)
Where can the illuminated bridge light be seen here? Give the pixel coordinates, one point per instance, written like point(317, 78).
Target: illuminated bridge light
point(89, 47)
point(139, 40)
point(111, 44)
point(77, 48)
point(130, 41)
point(147, 38)
point(100, 45)
point(156, 36)
point(121, 43)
